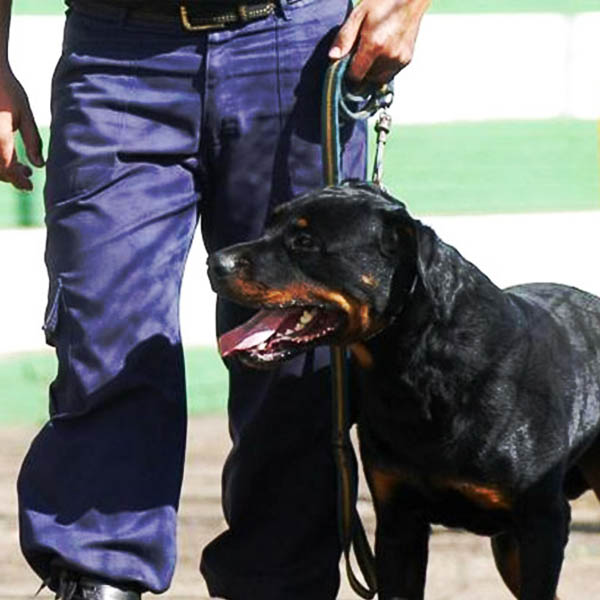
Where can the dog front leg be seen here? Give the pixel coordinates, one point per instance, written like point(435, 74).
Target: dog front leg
point(543, 531)
point(401, 551)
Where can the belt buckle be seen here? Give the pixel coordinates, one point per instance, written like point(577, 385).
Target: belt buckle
point(242, 12)
point(188, 25)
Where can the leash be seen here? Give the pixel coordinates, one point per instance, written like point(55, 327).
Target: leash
point(339, 102)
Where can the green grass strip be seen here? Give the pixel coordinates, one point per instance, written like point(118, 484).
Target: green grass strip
point(514, 6)
point(57, 7)
point(495, 167)
point(207, 381)
point(25, 379)
point(24, 209)
point(38, 7)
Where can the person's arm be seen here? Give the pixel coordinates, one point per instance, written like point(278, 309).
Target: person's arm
point(384, 33)
point(15, 115)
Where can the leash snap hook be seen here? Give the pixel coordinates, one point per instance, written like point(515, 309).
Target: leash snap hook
point(383, 127)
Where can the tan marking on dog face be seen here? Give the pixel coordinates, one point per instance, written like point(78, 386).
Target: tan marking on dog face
point(302, 222)
point(303, 293)
point(359, 319)
point(359, 322)
point(365, 317)
point(248, 290)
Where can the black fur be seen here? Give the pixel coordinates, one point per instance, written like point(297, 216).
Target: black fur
point(479, 407)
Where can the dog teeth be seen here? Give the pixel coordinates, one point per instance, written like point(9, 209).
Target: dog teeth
point(307, 317)
point(262, 346)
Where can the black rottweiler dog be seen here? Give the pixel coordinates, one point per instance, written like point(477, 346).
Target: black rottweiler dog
point(479, 407)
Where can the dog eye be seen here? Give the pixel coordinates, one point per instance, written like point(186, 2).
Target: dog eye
point(303, 241)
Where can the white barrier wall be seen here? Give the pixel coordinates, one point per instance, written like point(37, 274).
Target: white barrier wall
point(502, 66)
point(466, 67)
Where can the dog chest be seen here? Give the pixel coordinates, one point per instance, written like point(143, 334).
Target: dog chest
point(482, 508)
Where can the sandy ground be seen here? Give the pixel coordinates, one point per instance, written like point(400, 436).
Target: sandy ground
point(460, 566)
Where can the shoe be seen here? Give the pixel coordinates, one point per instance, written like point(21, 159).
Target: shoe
point(74, 586)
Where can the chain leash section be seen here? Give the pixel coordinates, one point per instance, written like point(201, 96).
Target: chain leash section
point(383, 127)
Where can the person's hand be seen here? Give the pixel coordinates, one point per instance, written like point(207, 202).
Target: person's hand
point(16, 115)
point(384, 33)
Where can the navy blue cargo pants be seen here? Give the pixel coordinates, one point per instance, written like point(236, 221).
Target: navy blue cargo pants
point(155, 129)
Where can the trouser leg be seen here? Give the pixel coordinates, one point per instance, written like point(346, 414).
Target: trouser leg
point(279, 482)
point(100, 485)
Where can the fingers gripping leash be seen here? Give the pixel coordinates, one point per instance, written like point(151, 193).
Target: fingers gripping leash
point(339, 102)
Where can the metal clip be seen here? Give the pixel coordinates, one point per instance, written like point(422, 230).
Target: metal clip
point(383, 126)
point(242, 12)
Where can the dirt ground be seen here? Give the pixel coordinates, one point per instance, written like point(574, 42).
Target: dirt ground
point(460, 566)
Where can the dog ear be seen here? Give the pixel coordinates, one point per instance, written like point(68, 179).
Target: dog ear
point(394, 238)
point(426, 250)
point(398, 231)
point(439, 267)
point(398, 244)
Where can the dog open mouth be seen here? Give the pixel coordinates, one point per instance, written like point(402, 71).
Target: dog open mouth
point(276, 334)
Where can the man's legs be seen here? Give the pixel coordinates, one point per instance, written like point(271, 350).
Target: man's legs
point(100, 486)
point(279, 482)
point(98, 493)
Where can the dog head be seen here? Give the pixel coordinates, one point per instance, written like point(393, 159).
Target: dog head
point(333, 267)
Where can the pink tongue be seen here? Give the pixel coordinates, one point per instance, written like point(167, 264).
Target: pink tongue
point(253, 332)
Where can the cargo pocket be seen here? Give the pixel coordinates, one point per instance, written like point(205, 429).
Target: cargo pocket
point(51, 317)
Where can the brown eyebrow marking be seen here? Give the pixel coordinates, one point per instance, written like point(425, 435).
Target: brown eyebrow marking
point(302, 222)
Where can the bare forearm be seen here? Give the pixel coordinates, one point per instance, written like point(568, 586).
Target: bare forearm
point(5, 8)
point(383, 34)
point(15, 115)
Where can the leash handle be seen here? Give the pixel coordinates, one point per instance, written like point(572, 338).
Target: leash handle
point(338, 102)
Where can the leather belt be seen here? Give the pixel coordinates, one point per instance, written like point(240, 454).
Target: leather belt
point(193, 15)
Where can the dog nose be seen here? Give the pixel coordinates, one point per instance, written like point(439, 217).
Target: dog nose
point(228, 262)
point(221, 264)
